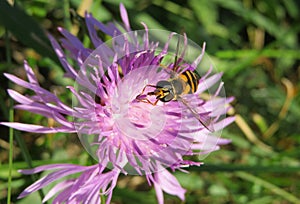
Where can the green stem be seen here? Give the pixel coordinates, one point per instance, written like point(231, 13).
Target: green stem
point(11, 119)
point(275, 189)
point(11, 153)
point(14, 134)
point(246, 168)
point(27, 158)
point(67, 21)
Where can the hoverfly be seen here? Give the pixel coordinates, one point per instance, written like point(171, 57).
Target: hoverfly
point(174, 88)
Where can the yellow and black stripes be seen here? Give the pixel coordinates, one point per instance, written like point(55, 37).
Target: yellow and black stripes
point(191, 79)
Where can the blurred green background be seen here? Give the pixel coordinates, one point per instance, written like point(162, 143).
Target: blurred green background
point(254, 42)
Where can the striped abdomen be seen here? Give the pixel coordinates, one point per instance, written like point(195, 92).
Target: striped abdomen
point(190, 80)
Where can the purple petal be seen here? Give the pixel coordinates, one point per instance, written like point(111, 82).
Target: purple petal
point(124, 17)
point(37, 128)
point(101, 26)
point(92, 31)
point(225, 122)
point(206, 84)
point(19, 81)
point(30, 74)
point(62, 58)
point(146, 37)
point(47, 167)
point(19, 97)
point(63, 197)
point(159, 193)
point(41, 183)
point(57, 188)
point(71, 38)
point(199, 58)
point(170, 184)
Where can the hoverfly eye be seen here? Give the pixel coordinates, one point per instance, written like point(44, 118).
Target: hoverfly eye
point(163, 84)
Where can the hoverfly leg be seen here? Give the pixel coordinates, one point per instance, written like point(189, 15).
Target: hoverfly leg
point(148, 85)
point(146, 100)
point(154, 104)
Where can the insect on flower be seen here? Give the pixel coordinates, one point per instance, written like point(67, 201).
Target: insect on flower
point(117, 111)
point(181, 82)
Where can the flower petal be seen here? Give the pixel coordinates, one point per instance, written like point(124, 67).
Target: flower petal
point(124, 17)
point(37, 128)
point(170, 184)
point(58, 187)
point(41, 183)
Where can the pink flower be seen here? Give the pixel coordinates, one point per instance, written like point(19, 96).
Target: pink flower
point(113, 119)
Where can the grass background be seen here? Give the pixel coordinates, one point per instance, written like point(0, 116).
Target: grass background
point(255, 44)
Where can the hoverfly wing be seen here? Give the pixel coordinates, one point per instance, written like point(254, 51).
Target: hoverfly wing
point(175, 64)
point(180, 52)
point(204, 119)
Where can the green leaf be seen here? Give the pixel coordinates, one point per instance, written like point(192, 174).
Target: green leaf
point(254, 17)
point(292, 8)
point(129, 196)
point(191, 181)
point(207, 13)
point(26, 30)
point(217, 190)
point(271, 187)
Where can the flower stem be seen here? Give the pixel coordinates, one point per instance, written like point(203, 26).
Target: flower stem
point(28, 159)
point(14, 134)
point(11, 119)
point(67, 21)
point(275, 189)
point(10, 159)
point(246, 168)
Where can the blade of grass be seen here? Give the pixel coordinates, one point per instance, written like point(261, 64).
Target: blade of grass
point(26, 30)
point(11, 153)
point(275, 189)
point(175, 8)
point(67, 20)
point(11, 119)
point(28, 159)
point(246, 168)
point(253, 16)
point(290, 90)
point(231, 54)
point(13, 134)
point(242, 124)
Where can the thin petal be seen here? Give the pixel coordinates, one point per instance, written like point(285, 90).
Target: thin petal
point(206, 84)
point(62, 58)
point(48, 167)
point(199, 58)
point(124, 16)
point(18, 81)
point(170, 184)
point(19, 97)
point(57, 188)
point(41, 183)
point(37, 128)
point(159, 193)
point(70, 37)
point(225, 122)
point(30, 74)
point(101, 26)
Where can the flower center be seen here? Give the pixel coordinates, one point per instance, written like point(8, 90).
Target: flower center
point(137, 120)
point(139, 115)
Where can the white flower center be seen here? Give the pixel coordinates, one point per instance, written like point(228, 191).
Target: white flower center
point(139, 115)
point(135, 119)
